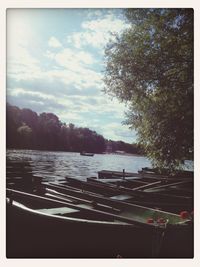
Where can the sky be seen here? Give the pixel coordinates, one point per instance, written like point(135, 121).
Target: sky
point(55, 63)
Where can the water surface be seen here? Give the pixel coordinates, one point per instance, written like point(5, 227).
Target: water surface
point(51, 165)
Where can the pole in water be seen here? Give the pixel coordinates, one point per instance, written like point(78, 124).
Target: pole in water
point(123, 173)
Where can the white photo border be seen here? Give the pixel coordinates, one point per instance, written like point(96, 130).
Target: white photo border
point(97, 4)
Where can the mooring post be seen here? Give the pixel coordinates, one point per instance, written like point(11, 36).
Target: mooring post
point(123, 173)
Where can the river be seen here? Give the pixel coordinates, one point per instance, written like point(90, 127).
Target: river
point(52, 166)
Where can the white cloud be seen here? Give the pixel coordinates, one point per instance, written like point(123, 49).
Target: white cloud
point(94, 13)
point(38, 103)
point(110, 106)
point(25, 67)
point(75, 68)
point(80, 104)
point(117, 131)
point(109, 23)
point(72, 59)
point(20, 62)
point(50, 54)
point(81, 79)
point(96, 32)
point(70, 116)
point(67, 66)
point(22, 91)
point(54, 42)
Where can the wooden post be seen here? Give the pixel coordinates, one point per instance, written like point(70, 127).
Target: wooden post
point(123, 173)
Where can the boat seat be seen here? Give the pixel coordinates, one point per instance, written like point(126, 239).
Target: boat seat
point(121, 197)
point(58, 211)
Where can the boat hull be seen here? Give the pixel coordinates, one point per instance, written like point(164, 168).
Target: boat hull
point(32, 235)
point(87, 154)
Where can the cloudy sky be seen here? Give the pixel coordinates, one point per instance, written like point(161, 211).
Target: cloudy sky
point(55, 63)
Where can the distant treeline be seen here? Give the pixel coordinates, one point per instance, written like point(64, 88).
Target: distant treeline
point(25, 129)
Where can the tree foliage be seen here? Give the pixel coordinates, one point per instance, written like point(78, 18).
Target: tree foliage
point(25, 129)
point(150, 67)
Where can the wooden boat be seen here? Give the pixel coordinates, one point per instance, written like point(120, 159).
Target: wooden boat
point(159, 199)
point(164, 173)
point(86, 154)
point(64, 225)
point(119, 197)
point(147, 173)
point(106, 174)
point(144, 190)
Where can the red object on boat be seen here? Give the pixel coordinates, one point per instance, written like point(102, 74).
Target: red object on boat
point(161, 220)
point(184, 214)
point(150, 220)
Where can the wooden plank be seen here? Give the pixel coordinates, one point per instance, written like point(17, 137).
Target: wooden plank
point(71, 188)
point(58, 211)
point(104, 183)
point(146, 186)
point(112, 185)
point(78, 200)
point(117, 179)
point(166, 185)
point(121, 197)
point(104, 174)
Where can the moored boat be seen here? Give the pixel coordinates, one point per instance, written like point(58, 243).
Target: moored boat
point(145, 194)
point(87, 154)
point(69, 225)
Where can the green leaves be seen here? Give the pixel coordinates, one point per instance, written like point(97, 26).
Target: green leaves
point(150, 67)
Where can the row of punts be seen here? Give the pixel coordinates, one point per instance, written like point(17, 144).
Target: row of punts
point(119, 215)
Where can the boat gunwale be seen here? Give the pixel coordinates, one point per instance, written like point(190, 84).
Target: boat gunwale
point(68, 218)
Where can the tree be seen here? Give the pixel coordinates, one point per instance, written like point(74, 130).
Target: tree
point(30, 118)
point(25, 129)
point(12, 123)
point(49, 131)
point(150, 67)
point(25, 133)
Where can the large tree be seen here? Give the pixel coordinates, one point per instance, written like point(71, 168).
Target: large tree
point(150, 67)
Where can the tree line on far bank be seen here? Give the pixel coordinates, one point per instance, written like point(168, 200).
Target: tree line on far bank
point(25, 129)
